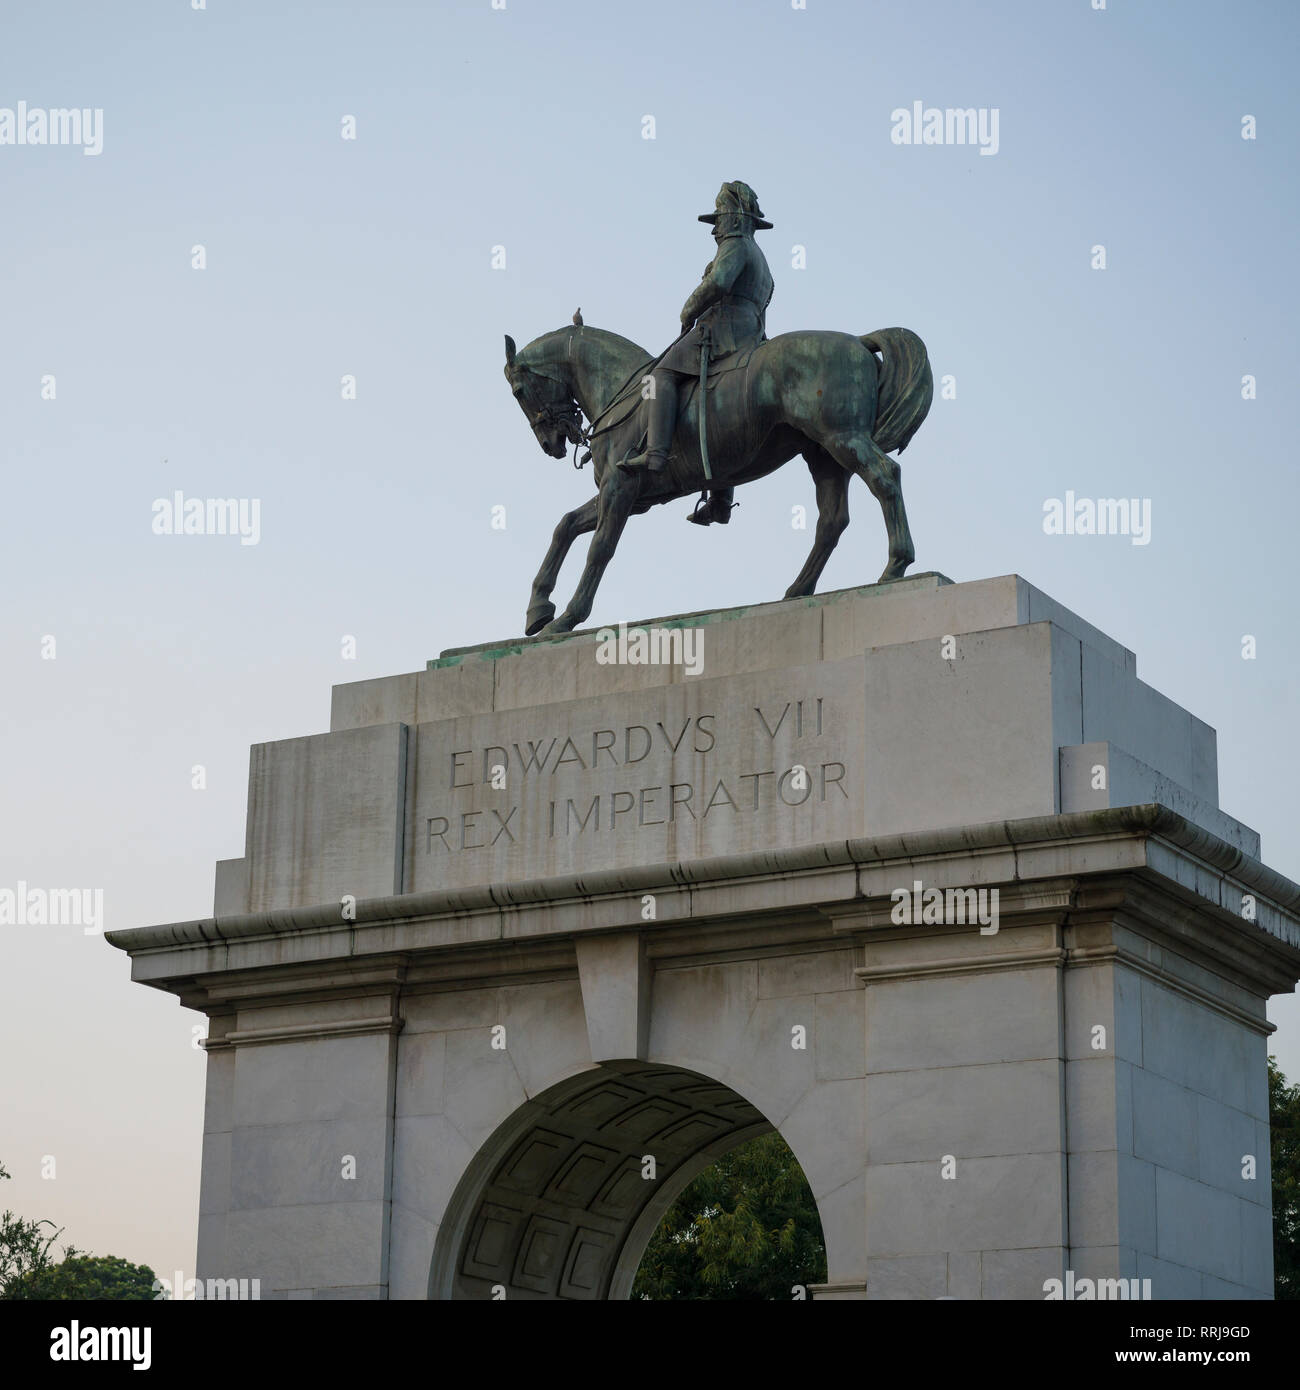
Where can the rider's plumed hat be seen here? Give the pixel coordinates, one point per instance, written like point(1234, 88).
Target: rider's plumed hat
point(738, 197)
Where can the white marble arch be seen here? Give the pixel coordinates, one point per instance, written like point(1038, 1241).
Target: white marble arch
point(978, 1112)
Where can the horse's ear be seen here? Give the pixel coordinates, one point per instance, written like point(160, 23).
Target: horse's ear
point(510, 351)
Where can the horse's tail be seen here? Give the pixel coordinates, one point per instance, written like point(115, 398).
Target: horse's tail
point(906, 386)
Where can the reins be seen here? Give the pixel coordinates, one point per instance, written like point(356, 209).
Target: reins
point(570, 416)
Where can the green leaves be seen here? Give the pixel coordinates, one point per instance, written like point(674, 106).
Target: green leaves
point(27, 1270)
point(90, 1276)
point(747, 1228)
point(24, 1249)
point(1284, 1121)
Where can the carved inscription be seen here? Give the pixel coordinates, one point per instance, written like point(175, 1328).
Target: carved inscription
point(537, 776)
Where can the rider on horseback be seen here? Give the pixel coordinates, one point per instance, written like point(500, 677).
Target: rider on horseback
point(725, 314)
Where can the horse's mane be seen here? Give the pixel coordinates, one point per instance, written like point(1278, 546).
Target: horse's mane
point(619, 355)
point(544, 345)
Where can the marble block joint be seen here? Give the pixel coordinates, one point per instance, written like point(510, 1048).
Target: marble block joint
point(920, 875)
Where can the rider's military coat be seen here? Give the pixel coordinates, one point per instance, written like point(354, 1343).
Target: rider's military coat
point(730, 302)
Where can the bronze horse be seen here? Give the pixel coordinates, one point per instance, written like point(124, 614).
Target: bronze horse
point(827, 396)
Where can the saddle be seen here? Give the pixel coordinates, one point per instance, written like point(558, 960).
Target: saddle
point(727, 362)
point(629, 401)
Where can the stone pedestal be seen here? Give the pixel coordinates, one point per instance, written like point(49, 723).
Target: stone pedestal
point(919, 874)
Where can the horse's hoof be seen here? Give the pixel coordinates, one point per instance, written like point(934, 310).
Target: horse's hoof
point(538, 616)
point(894, 570)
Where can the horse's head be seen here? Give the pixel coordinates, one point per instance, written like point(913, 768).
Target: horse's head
point(546, 400)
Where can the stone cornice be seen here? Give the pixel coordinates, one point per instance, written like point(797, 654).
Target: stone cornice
point(835, 879)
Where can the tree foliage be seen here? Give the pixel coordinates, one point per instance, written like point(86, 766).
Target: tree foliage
point(29, 1271)
point(746, 1228)
point(1284, 1121)
point(24, 1249)
point(91, 1276)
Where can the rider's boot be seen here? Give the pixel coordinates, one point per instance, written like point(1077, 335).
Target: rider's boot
point(659, 428)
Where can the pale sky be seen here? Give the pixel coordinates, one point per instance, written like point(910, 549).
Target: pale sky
point(523, 128)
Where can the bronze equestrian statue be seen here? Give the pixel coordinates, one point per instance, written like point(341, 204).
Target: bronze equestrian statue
point(722, 406)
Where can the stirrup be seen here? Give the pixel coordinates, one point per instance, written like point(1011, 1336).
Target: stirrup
point(710, 508)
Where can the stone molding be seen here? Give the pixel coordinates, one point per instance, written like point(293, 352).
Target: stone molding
point(963, 965)
point(839, 1289)
point(298, 1032)
point(1117, 955)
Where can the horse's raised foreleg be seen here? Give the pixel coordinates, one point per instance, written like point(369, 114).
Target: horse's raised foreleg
point(884, 477)
point(618, 495)
point(832, 485)
point(572, 525)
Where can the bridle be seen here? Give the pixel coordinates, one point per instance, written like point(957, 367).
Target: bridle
point(567, 416)
point(570, 415)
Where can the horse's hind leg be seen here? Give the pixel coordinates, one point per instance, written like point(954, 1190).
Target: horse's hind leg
point(832, 485)
point(861, 454)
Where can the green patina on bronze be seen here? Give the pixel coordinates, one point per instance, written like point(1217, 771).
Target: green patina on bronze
point(705, 617)
point(721, 406)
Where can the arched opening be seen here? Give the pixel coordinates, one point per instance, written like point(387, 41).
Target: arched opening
point(561, 1202)
point(747, 1228)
